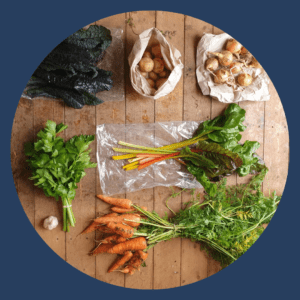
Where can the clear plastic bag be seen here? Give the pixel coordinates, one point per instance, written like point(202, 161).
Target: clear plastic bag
point(113, 178)
point(109, 63)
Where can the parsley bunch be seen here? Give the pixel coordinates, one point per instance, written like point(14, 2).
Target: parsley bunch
point(58, 166)
point(227, 224)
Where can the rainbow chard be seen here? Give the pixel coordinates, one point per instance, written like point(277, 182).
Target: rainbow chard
point(215, 151)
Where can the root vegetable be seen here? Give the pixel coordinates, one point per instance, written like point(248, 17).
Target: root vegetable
point(221, 76)
point(104, 229)
point(254, 64)
point(138, 243)
point(163, 73)
point(121, 229)
point(225, 57)
point(120, 261)
point(113, 239)
point(236, 67)
point(211, 64)
point(135, 262)
point(50, 223)
point(153, 76)
point(125, 203)
point(144, 74)
point(151, 82)
point(233, 46)
point(156, 51)
point(146, 64)
point(94, 225)
point(102, 248)
point(243, 51)
point(125, 210)
point(160, 82)
point(244, 79)
point(134, 219)
point(147, 54)
point(158, 65)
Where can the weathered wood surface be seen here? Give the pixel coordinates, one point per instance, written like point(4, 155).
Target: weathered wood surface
point(177, 262)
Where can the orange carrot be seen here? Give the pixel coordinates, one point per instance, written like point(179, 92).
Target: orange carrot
point(149, 163)
point(135, 262)
point(92, 227)
point(120, 261)
point(121, 210)
point(138, 243)
point(105, 229)
point(134, 219)
point(125, 203)
point(121, 229)
point(113, 239)
point(101, 248)
point(114, 214)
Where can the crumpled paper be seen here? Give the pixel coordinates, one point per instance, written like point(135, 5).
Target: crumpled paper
point(257, 91)
point(170, 55)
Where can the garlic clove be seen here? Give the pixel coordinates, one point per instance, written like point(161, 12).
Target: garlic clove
point(50, 223)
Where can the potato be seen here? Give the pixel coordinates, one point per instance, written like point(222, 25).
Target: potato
point(151, 82)
point(160, 82)
point(144, 74)
point(158, 65)
point(147, 54)
point(146, 64)
point(153, 76)
point(156, 51)
point(163, 74)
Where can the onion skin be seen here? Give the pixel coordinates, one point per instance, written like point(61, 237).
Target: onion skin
point(244, 79)
point(233, 46)
point(144, 74)
point(225, 57)
point(156, 51)
point(222, 76)
point(211, 64)
point(254, 64)
point(236, 67)
point(243, 51)
point(163, 74)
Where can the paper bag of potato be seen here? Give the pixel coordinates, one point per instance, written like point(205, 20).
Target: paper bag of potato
point(155, 66)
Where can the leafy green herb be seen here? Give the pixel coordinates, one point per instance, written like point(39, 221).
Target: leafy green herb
point(227, 224)
point(58, 166)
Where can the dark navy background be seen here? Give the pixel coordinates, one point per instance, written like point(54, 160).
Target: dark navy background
point(30, 30)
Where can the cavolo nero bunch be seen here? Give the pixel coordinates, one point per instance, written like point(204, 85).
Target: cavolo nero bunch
point(58, 166)
point(69, 71)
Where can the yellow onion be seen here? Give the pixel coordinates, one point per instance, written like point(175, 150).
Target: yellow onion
point(243, 51)
point(254, 64)
point(221, 76)
point(151, 82)
point(225, 57)
point(236, 67)
point(233, 46)
point(211, 64)
point(244, 79)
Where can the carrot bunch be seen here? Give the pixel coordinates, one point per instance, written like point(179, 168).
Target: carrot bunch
point(122, 239)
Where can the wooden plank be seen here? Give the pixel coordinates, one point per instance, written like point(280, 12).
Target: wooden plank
point(216, 109)
point(22, 132)
point(167, 256)
point(139, 110)
point(106, 113)
point(82, 121)
point(276, 144)
point(197, 107)
point(47, 109)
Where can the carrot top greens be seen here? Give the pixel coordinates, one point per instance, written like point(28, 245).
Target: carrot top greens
point(227, 224)
point(58, 166)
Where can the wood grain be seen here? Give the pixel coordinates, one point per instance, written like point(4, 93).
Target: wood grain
point(107, 113)
point(170, 264)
